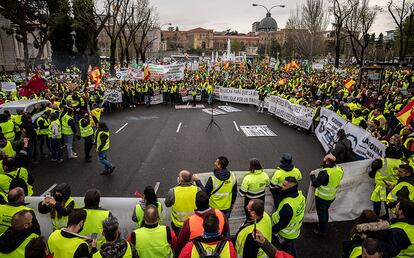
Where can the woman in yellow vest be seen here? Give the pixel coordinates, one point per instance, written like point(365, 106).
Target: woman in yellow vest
point(60, 204)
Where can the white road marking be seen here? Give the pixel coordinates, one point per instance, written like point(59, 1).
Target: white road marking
point(235, 125)
point(178, 128)
point(157, 185)
point(48, 190)
point(121, 128)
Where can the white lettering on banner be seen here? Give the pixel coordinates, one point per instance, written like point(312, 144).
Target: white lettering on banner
point(363, 143)
point(157, 98)
point(352, 197)
point(167, 72)
point(113, 96)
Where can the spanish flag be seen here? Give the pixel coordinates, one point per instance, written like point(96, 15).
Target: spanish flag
point(96, 75)
point(294, 65)
point(226, 66)
point(147, 73)
point(406, 114)
point(349, 84)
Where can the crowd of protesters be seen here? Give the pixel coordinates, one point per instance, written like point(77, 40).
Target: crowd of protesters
point(199, 216)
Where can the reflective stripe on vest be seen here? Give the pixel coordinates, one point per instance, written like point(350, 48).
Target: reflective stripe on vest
point(85, 131)
point(221, 199)
point(184, 204)
point(209, 249)
point(62, 247)
point(409, 231)
point(392, 196)
point(264, 225)
point(328, 192)
point(152, 242)
point(59, 136)
point(195, 223)
point(66, 129)
point(42, 131)
point(98, 141)
point(61, 222)
point(292, 230)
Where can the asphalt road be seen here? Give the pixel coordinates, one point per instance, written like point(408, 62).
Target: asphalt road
point(153, 147)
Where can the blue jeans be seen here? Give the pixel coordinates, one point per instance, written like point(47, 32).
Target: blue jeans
point(56, 151)
point(69, 143)
point(210, 98)
point(322, 209)
point(103, 158)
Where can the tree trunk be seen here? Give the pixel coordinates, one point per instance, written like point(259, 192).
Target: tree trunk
point(401, 44)
point(25, 54)
point(121, 56)
point(337, 45)
point(112, 59)
point(127, 57)
point(143, 57)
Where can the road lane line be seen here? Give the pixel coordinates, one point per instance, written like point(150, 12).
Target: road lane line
point(178, 128)
point(48, 190)
point(157, 185)
point(121, 128)
point(235, 125)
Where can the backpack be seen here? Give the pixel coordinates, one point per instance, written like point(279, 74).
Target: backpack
point(216, 253)
point(17, 181)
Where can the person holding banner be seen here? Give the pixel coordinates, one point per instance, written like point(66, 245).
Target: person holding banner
point(404, 188)
point(326, 184)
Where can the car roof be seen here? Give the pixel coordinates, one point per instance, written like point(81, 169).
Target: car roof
point(23, 103)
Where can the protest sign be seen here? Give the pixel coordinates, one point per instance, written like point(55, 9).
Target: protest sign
point(317, 66)
point(8, 86)
point(294, 113)
point(113, 96)
point(364, 144)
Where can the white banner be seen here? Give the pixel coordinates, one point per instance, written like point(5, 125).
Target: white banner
point(363, 143)
point(157, 98)
point(167, 72)
point(283, 108)
point(296, 114)
point(353, 194)
point(8, 86)
point(113, 96)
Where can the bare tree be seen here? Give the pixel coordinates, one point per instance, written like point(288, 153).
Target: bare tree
point(357, 25)
point(120, 16)
point(341, 11)
point(399, 12)
point(307, 26)
point(142, 42)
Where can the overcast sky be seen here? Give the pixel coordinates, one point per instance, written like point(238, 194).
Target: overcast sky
point(239, 14)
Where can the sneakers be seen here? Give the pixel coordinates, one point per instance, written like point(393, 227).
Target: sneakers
point(74, 156)
point(112, 169)
point(60, 161)
point(53, 160)
point(107, 172)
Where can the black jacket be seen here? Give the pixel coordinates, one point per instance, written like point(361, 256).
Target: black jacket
point(397, 239)
point(286, 212)
point(343, 151)
point(222, 175)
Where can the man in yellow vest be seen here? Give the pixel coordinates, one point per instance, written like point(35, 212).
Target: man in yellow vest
point(285, 169)
point(287, 220)
point(67, 242)
point(86, 132)
point(246, 246)
point(95, 215)
point(400, 240)
point(115, 244)
point(16, 203)
point(404, 189)
point(55, 136)
point(68, 131)
point(153, 239)
point(43, 123)
point(102, 146)
point(210, 243)
point(14, 241)
point(222, 187)
point(384, 171)
point(7, 127)
point(181, 199)
point(326, 184)
point(210, 92)
point(96, 113)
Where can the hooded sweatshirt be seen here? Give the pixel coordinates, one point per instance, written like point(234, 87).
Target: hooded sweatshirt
point(222, 175)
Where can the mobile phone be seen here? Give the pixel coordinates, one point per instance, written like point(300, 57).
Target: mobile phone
point(94, 236)
point(254, 229)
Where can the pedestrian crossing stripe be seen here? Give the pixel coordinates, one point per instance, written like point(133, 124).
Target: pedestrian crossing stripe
point(257, 131)
point(216, 111)
point(229, 109)
point(188, 106)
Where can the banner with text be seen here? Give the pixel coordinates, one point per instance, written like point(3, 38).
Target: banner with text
point(113, 96)
point(363, 143)
point(353, 194)
point(167, 72)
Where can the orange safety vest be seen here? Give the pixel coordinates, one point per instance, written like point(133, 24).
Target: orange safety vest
point(195, 222)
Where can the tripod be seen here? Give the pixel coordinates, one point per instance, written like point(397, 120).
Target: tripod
point(212, 118)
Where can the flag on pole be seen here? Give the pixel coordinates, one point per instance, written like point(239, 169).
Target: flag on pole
point(96, 76)
point(349, 84)
point(34, 86)
point(406, 114)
